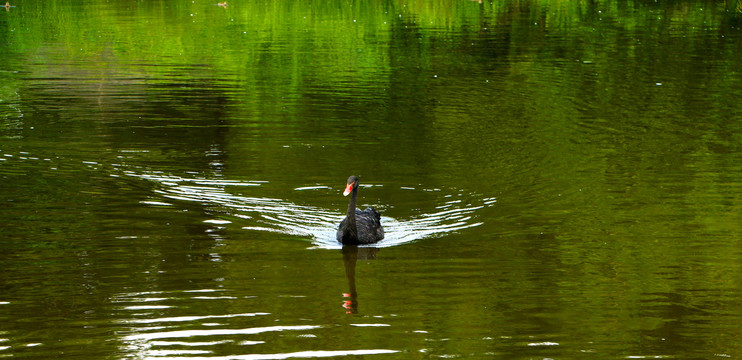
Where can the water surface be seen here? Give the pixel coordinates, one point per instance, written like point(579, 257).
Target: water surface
point(556, 179)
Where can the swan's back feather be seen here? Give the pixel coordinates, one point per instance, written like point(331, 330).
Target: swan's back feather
point(369, 230)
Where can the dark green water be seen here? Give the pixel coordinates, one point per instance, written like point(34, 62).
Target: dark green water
point(558, 179)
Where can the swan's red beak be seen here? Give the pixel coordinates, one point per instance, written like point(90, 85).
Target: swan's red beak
point(348, 189)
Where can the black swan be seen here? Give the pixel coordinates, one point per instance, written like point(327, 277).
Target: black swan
point(359, 227)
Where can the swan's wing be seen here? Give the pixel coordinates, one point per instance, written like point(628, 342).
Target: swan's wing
point(368, 223)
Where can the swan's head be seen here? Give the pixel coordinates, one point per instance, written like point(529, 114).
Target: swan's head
point(352, 184)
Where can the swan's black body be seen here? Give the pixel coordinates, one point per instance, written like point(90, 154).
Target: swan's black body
point(359, 227)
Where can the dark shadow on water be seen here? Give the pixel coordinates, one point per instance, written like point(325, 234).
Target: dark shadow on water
point(351, 254)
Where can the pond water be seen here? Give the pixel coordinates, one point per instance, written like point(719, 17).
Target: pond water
point(557, 179)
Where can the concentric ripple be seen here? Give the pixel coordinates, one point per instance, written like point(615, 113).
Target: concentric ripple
point(284, 216)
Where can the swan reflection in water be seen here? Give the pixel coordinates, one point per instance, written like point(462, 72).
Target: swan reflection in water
point(351, 254)
point(453, 211)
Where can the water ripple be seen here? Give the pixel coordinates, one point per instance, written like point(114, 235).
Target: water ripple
point(189, 318)
point(283, 216)
point(187, 334)
point(150, 344)
point(299, 354)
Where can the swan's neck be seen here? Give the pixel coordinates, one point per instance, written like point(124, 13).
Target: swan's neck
point(351, 216)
